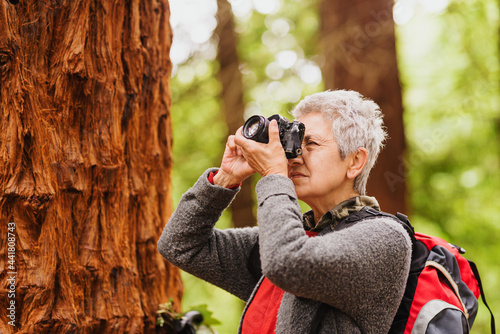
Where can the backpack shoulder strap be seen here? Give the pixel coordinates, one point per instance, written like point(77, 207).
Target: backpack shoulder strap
point(318, 317)
point(370, 213)
point(478, 278)
point(419, 250)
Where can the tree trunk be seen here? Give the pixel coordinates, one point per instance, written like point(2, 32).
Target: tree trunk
point(85, 164)
point(359, 47)
point(233, 105)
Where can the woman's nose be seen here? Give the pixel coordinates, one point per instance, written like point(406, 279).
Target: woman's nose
point(296, 161)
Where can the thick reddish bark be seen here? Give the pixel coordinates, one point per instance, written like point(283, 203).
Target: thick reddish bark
point(360, 54)
point(85, 163)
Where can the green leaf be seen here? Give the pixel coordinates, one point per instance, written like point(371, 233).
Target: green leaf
point(207, 315)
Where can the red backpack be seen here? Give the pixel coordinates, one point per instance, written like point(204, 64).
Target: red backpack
point(442, 290)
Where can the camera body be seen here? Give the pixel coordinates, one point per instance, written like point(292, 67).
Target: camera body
point(291, 133)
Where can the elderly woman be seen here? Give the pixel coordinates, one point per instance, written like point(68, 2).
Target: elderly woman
point(293, 263)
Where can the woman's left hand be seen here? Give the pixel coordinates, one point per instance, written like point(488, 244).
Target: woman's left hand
point(265, 159)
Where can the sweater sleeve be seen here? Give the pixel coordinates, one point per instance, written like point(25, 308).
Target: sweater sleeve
point(190, 241)
point(360, 270)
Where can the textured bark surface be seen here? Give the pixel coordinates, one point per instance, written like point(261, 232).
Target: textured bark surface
point(360, 54)
point(233, 105)
point(85, 163)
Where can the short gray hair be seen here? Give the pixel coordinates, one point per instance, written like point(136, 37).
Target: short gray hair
point(356, 122)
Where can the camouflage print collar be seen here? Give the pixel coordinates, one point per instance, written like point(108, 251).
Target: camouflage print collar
point(339, 212)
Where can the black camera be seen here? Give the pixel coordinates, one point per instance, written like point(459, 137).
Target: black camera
point(291, 133)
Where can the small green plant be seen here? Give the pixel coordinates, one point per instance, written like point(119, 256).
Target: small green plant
point(166, 315)
point(167, 318)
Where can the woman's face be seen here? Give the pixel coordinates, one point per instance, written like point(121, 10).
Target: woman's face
point(319, 174)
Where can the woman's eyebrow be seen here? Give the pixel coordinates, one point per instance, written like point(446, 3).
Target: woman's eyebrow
point(307, 138)
point(317, 138)
point(313, 136)
point(310, 136)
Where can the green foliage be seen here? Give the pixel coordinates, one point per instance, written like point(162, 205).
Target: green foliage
point(449, 67)
point(279, 56)
point(207, 314)
point(167, 317)
point(199, 127)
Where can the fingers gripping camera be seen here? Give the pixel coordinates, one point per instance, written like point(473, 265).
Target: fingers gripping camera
point(291, 133)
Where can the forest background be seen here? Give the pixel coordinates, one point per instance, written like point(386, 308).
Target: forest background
point(448, 59)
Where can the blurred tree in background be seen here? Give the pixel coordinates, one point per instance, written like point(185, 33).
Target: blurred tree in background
point(233, 106)
point(448, 56)
point(359, 47)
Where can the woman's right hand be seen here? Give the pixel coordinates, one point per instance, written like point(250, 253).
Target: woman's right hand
point(234, 168)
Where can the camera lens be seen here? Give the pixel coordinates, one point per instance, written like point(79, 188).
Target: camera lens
point(255, 128)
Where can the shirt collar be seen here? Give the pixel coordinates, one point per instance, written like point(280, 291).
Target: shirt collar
point(339, 212)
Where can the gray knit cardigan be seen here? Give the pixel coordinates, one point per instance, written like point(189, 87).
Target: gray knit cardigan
point(360, 271)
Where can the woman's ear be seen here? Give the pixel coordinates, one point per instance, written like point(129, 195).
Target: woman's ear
point(358, 162)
